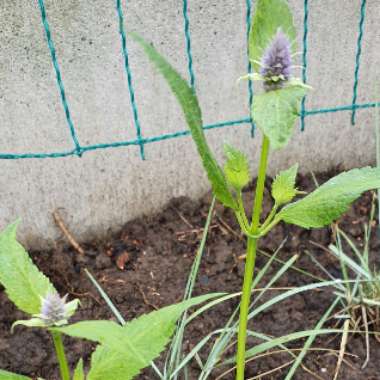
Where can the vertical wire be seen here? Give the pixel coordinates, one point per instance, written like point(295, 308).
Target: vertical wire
point(53, 54)
point(357, 59)
point(304, 59)
point(129, 78)
point(250, 83)
point(185, 11)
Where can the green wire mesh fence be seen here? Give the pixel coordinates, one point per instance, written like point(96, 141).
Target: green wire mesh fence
point(140, 140)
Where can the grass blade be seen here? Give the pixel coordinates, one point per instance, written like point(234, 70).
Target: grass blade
point(262, 347)
point(310, 340)
point(116, 312)
point(175, 352)
point(108, 301)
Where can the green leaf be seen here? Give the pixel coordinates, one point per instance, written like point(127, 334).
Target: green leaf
point(283, 186)
point(192, 112)
point(129, 348)
point(33, 322)
point(23, 282)
point(5, 375)
point(269, 15)
point(275, 113)
point(332, 199)
point(236, 168)
point(110, 364)
point(79, 371)
point(71, 307)
point(97, 331)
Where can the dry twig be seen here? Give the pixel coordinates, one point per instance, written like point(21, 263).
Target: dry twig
point(145, 299)
point(183, 218)
point(342, 350)
point(59, 222)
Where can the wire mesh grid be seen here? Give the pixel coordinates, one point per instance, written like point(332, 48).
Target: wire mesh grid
point(140, 141)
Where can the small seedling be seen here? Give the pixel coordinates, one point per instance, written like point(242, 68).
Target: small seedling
point(274, 111)
point(123, 349)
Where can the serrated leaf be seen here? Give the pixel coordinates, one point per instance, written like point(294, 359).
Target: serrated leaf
point(129, 348)
point(269, 15)
point(110, 364)
point(332, 199)
point(236, 168)
point(79, 371)
point(192, 112)
point(275, 113)
point(283, 186)
point(5, 375)
point(23, 282)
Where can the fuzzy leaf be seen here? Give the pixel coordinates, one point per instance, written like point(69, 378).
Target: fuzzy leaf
point(130, 348)
point(23, 282)
point(5, 375)
point(275, 113)
point(236, 168)
point(71, 307)
point(33, 322)
point(96, 331)
point(283, 186)
point(192, 112)
point(79, 371)
point(111, 358)
point(269, 15)
point(332, 199)
point(107, 363)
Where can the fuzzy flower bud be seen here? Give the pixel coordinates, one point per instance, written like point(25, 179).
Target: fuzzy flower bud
point(54, 312)
point(276, 62)
point(53, 309)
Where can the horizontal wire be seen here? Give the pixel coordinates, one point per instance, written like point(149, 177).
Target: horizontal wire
point(168, 136)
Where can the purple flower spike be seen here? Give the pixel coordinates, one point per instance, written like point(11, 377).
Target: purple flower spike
point(53, 308)
point(276, 62)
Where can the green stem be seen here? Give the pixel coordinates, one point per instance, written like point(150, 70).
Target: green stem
point(60, 351)
point(269, 218)
point(242, 210)
point(259, 195)
point(268, 227)
point(250, 262)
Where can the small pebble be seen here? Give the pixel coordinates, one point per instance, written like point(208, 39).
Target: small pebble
point(204, 280)
point(102, 261)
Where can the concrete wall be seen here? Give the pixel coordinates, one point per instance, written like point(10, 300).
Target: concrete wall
point(105, 188)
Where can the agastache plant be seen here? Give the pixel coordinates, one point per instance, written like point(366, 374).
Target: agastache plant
point(123, 349)
point(274, 111)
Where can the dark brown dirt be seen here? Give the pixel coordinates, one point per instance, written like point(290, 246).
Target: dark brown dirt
point(157, 252)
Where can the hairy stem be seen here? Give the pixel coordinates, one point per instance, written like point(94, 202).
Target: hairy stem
point(60, 351)
point(242, 210)
point(250, 262)
point(269, 218)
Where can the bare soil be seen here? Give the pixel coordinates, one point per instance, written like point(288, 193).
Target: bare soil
point(157, 253)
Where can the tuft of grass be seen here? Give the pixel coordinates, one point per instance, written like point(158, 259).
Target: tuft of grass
point(360, 299)
point(377, 135)
point(358, 290)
